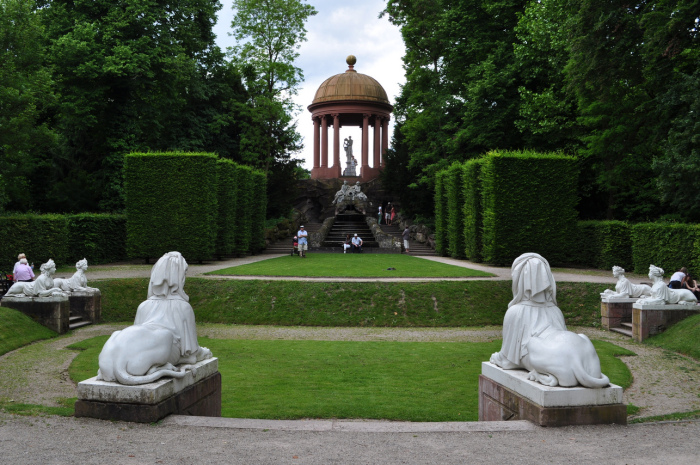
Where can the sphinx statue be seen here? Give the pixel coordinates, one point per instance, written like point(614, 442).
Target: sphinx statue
point(77, 282)
point(535, 337)
point(661, 294)
point(43, 286)
point(163, 340)
point(624, 288)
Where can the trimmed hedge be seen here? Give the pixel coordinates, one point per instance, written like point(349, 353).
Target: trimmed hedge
point(603, 244)
point(454, 193)
point(258, 211)
point(243, 223)
point(63, 238)
point(669, 246)
point(441, 237)
point(473, 221)
point(227, 194)
point(171, 204)
point(529, 205)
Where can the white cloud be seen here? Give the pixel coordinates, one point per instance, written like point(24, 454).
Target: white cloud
point(334, 33)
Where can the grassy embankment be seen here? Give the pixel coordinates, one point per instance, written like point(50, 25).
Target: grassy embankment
point(17, 330)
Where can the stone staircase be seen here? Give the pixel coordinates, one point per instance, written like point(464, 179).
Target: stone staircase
point(352, 223)
point(284, 246)
point(625, 328)
point(76, 321)
point(418, 249)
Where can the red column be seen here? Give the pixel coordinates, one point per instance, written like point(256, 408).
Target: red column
point(324, 142)
point(317, 146)
point(365, 141)
point(385, 138)
point(336, 141)
point(377, 129)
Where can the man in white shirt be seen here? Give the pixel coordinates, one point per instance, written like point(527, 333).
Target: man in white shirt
point(302, 243)
point(356, 244)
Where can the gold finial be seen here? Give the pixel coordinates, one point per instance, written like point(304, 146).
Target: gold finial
point(351, 60)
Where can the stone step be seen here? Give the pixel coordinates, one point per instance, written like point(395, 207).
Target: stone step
point(621, 330)
point(626, 325)
point(79, 324)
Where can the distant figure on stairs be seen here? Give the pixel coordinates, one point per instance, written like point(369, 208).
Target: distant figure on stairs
point(405, 235)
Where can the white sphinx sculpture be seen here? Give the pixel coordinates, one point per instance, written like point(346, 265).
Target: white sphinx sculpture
point(43, 286)
point(164, 333)
point(624, 288)
point(661, 294)
point(535, 336)
point(77, 282)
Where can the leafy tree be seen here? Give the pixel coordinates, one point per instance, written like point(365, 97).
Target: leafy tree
point(26, 106)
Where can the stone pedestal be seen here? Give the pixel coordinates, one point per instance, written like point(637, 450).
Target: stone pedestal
point(509, 395)
point(87, 304)
point(615, 311)
point(648, 320)
point(52, 312)
point(195, 394)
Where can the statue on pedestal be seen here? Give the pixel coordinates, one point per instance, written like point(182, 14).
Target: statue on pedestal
point(351, 163)
point(341, 194)
point(624, 288)
point(43, 286)
point(661, 294)
point(77, 282)
point(535, 336)
point(164, 333)
point(347, 196)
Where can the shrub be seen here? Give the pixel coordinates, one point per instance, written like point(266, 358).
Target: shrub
point(258, 211)
point(40, 237)
point(227, 193)
point(454, 195)
point(441, 237)
point(473, 223)
point(603, 244)
point(101, 238)
point(171, 204)
point(529, 202)
point(244, 181)
point(667, 245)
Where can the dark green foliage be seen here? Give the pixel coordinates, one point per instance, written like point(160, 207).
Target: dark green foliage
point(39, 237)
point(243, 223)
point(171, 204)
point(666, 245)
point(258, 211)
point(529, 206)
point(101, 238)
point(454, 191)
point(441, 212)
point(473, 221)
point(603, 244)
point(227, 193)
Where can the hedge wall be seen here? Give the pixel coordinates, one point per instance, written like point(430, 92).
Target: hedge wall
point(63, 238)
point(171, 204)
point(603, 244)
point(441, 237)
point(669, 246)
point(473, 222)
point(454, 193)
point(529, 205)
point(227, 194)
point(243, 223)
point(259, 211)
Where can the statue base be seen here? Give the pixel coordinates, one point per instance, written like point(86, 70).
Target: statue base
point(87, 304)
point(509, 395)
point(614, 311)
point(194, 394)
point(52, 312)
point(648, 320)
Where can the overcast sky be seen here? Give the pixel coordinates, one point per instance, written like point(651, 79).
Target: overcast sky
point(338, 30)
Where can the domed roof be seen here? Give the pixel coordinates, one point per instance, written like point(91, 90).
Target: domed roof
point(350, 85)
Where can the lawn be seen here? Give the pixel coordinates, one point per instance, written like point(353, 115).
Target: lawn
point(17, 330)
point(409, 381)
point(682, 337)
point(351, 266)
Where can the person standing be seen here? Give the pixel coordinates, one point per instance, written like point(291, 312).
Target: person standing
point(387, 215)
point(303, 244)
point(379, 218)
point(405, 235)
point(356, 244)
point(23, 272)
point(393, 214)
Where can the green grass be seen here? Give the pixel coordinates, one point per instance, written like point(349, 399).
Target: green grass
point(409, 381)
point(682, 337)
point(444, 303)
point(680, 416)
point(66, 409)
point(351, 265)
point(17, 330)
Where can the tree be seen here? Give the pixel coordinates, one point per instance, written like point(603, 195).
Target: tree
point(269, 33)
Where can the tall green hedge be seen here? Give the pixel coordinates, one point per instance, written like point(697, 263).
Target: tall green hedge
point(529, 205)
point(243, 223)
point(473, 221)
point(669, 246)
point(99, 237)
point(603, 244)
point(227, 195)
point(171, 204)
point(454, 193)
point(258, 211)
point(441, 237)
